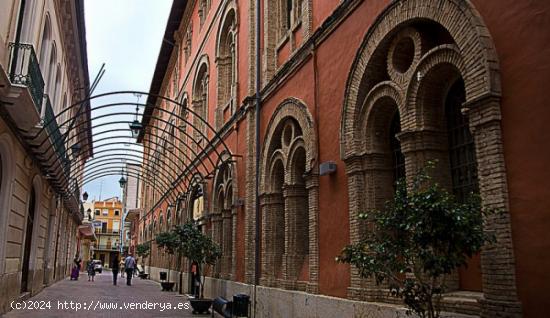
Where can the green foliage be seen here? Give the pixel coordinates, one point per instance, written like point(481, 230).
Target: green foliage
point(420, 236)
point(169, 241)
point(143, 249)
point(197, 247)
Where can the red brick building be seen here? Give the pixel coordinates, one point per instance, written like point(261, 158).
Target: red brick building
point(378, 88)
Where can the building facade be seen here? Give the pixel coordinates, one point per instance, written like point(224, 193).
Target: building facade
point(43, 70)
point(108, 226)
point(375, 88)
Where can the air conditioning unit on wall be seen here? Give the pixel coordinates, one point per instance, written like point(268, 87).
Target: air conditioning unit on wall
point(326, 168)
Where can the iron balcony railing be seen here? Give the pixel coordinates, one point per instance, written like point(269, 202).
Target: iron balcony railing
point(55, 135)
point(25, 70)
point(109, 232)
point(112, 247)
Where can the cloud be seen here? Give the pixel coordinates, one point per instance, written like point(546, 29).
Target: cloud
point(125, 35)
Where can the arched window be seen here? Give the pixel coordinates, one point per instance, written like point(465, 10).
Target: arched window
point(397, 155)
point(182, 127)
point(63, 108)
point(200, 105)
point(285, 205)
point(226, 64)
point(462, 156)
point(56, 91)
point(168, 219)
point(187, 41)
point(52, 74)
point(44, 45)
point(204, 7)
point(161, 221)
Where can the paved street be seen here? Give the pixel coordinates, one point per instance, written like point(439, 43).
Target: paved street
point(89, 297)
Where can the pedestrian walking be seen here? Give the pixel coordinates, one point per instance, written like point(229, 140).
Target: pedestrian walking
point(90, 267)
point(121, 266)
point(129, 265)
point(115, 266)
point(75, 271)
point(136, 274)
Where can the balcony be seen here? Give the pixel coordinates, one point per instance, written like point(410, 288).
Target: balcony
point(106, 232)
point(24, 70)
point(26, 90)
point(106, 247)
point(55, 135)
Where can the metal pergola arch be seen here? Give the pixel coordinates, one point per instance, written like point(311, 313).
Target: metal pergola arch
point(171, 175)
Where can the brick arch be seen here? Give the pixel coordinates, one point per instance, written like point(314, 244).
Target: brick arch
point(224, 215)
point(289, 243)
point(442, 57)
point(228, 7)
point(295, 109)
point(377, 101)
point(463, 23)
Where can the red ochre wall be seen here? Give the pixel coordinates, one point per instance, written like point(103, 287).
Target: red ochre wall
point(334, 59)
point(521, 34)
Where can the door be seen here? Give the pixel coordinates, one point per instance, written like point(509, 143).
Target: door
point(28, 243)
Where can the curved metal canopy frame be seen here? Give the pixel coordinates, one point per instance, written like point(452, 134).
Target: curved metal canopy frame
point(195, 148)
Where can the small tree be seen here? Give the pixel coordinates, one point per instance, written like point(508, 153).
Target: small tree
point(168, 241)
point(198, 248)
point(420, 236)
point(143, 251)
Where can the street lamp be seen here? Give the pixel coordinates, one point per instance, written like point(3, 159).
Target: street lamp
point(136, 125)
point(85, 196)
point(122, 181)
point(75, 149)
point(136, 128)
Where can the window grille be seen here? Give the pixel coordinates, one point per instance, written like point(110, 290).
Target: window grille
point(461, 145)
point(397, 155)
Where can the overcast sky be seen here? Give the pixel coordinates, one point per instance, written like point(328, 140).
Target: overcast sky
point(125, 35)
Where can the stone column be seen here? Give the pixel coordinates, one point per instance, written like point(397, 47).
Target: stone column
point(497, 260)
point(227, 241)
point(295, 198)
point(217, 238)
point(356, 193)
point(270, 204)
point(419, 147)
point(312, 187)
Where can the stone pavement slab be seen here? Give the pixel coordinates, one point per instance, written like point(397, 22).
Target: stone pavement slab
point(101, 299)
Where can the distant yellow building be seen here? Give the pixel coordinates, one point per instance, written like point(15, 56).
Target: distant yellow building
point(107, 219)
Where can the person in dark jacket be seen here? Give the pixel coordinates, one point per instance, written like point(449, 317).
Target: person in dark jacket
point(115, 268)
point(91, 270)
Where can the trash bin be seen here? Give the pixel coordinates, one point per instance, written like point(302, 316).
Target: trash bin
point(240, 305)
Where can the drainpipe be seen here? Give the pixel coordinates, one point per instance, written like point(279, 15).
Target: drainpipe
point(18, 36)
point(258, 148)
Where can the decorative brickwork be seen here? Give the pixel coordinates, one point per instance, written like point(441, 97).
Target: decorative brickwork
point(410, 70)
point(226, 62)
point(281, 20)
point(289, 200)
point(224, 213)
point(200, 103)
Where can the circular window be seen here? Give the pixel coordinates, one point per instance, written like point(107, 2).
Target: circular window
point(403, 54)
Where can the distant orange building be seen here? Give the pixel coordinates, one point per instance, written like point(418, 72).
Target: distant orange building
point(107, 219)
